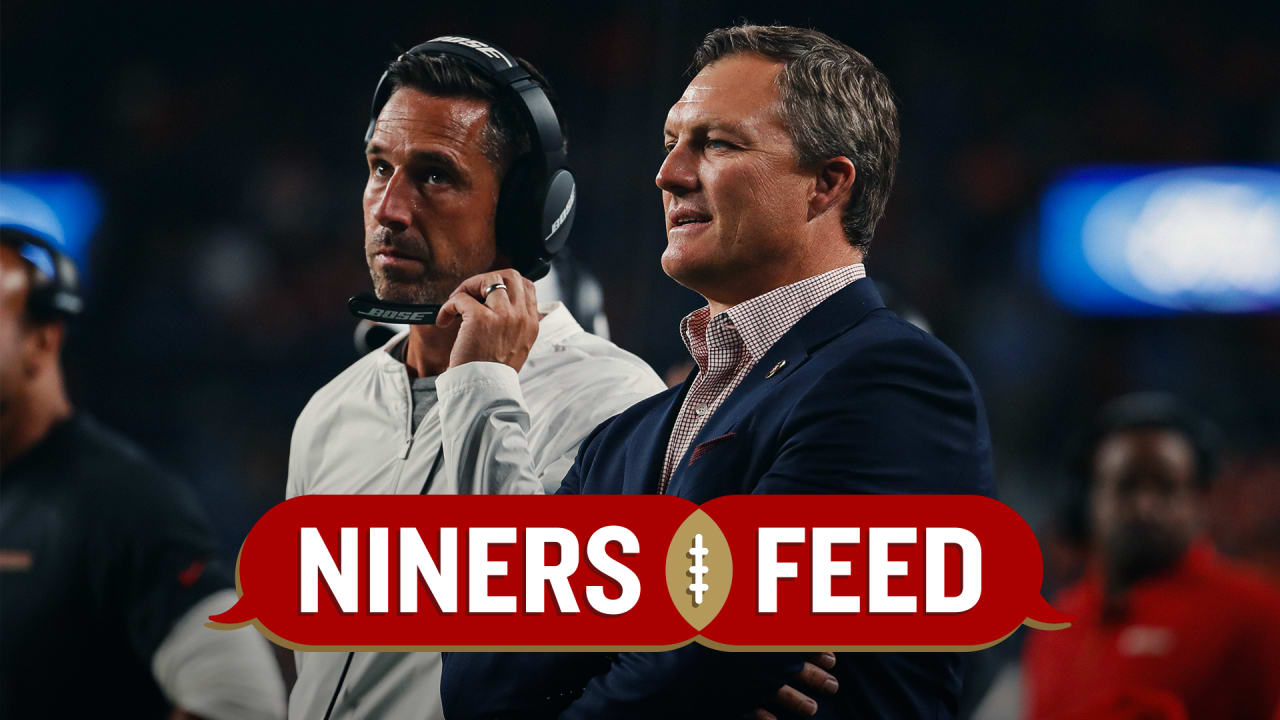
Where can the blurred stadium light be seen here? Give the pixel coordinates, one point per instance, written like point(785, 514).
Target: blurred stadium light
point(63, 206)
point(1143, 241)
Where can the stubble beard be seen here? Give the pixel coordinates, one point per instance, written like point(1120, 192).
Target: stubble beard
point(429, 286)
point(426, 288)
point(1137, 553)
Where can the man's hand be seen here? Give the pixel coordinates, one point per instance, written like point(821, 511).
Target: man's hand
point(498, 328)
point(814, 678)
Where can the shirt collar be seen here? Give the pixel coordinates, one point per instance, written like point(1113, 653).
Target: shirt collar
point(1199, 556)
point(693, 331)
point(557, 325)
point(765, 318)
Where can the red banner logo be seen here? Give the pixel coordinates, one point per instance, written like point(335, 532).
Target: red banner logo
point(640, 572)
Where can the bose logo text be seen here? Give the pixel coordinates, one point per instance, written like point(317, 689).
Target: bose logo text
point(573, 193)
point(396, 314)
point(476, 45)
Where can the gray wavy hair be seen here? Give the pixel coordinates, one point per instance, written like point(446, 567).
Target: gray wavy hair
point(834, 103)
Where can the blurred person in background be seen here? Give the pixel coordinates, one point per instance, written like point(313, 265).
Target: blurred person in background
point(106, 577)
point(1164, 627)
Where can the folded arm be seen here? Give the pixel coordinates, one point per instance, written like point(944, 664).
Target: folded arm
point(901, 417)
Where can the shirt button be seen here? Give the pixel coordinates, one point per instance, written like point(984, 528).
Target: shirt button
point(701, 410)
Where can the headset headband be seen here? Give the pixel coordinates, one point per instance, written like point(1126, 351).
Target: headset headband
point(506, 72)
point(60, 294)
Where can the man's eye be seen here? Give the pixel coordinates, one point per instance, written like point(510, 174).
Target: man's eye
point(436, 177)
point(668, 147)
point(380, 168)
point(719, 144)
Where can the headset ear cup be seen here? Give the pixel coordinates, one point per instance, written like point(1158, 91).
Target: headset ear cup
point(55, 290)
point(519, 209)
point(559, 206)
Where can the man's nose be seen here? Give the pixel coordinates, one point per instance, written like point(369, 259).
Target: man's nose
point(678, 173)
point(393, 204)
point(1147, 505)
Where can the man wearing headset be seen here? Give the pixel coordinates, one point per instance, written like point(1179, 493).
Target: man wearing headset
point(466, 191)
point(106, 577)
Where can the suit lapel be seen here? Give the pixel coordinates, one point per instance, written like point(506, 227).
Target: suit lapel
point(833, 316)
point(650, 443)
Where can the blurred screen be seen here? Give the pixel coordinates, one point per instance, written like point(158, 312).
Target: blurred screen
point(1141, 241)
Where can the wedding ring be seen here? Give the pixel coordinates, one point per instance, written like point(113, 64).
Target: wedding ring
point(491, 288)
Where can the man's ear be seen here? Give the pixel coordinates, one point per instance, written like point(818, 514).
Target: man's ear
point(43, 346)
point(833, 187)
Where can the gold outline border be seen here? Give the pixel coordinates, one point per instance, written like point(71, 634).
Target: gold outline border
point(701, 640)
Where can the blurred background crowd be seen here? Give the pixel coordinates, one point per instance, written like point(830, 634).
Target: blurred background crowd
point(225, 144)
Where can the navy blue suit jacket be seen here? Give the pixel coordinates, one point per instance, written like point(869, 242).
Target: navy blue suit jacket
point(860, 402)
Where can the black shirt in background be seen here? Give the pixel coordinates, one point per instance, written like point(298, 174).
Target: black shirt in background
point(103, 552)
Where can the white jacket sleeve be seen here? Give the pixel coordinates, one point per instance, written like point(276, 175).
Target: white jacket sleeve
point(484, 430)
point(485, 423)
point(218, 674)
point(296, 484)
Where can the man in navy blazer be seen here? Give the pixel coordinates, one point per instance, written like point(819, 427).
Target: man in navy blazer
point(781, 155)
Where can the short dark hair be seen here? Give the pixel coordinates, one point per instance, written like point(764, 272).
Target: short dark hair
point(506, 137)
point(1154, 411)
point(834, 103)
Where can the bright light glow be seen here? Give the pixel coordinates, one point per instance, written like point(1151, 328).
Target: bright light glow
point(1190, 239)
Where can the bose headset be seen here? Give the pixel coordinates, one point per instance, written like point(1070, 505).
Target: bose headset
point(55, 294)
point(537, 201)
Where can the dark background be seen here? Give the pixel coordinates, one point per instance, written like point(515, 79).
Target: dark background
point(227, 141)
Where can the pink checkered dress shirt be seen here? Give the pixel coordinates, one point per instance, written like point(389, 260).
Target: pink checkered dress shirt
point(728, 345)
